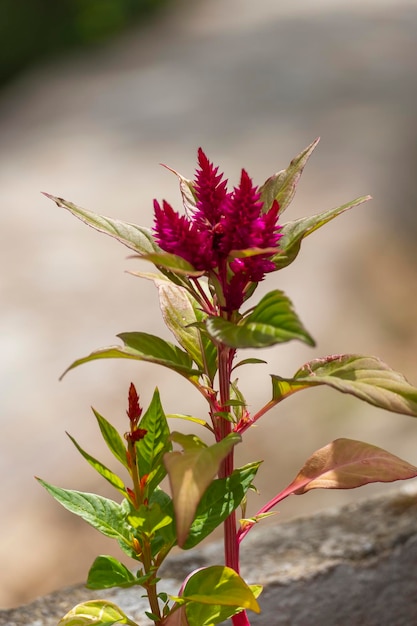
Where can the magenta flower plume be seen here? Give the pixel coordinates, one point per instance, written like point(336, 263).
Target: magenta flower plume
point(221, 225)
point(177, 234)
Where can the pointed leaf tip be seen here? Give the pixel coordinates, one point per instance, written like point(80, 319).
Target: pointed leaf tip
point(282, 185)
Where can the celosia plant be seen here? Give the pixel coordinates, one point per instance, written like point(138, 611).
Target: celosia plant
point(210, 260)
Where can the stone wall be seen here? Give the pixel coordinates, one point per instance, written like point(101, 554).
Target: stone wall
point(350, 566)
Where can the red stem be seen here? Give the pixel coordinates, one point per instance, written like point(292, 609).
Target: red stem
point(231, 543)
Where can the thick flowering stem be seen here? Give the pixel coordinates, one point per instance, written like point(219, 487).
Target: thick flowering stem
point(225, 356)
point(231, 543)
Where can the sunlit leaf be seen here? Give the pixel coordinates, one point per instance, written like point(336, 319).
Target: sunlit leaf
point(107, 572)
point(149, 518)
point(219, 585)
point(220, 499)
point(294, 232)
point(134, 237)
point(188, 418)
point(172, 263)
point(250, 252)
point(190, 473)
point(272, 321)
point(180, 317)
point(248, 362)
point(155, 443)
point(188, 441)
point(112, 438)
point(282, 185)
point(112, 478)
point(144, 347)
point(209, 614)
point(105, 515)
point(95, 613)
point(365, 377)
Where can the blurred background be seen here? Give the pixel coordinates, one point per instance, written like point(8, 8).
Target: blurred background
point(95, 94)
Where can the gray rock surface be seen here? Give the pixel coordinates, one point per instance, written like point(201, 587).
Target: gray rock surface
point(355, 565)
point(253, 83)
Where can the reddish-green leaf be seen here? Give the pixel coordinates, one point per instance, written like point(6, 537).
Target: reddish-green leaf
point(365, 377)
point(177, 618)
point(190, 473)
point(347, 464)
point(282, 185)
point(342, 464)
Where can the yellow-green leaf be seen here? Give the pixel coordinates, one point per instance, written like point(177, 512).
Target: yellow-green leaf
point(95, 613)
point(220, 585)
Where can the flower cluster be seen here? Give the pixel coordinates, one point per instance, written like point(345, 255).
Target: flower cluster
point(228, 235)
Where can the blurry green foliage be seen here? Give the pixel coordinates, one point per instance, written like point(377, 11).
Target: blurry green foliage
point(34, 29)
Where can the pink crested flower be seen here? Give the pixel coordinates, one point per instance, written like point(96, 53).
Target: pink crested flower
point(222, 223)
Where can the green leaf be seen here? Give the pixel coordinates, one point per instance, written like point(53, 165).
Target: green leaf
point(347, 464)
point(209, 614)
point(221, 586)
point(107, 572)
point(154, 445)
point(149, 518)
point(294, 232)
point(190, 473)
point(95, 613)
point(183, 315)
point(156, 350)
point(282, 185)
point(250, 252)
point(112, 478)
point(172, 263)
point(179, 316)
point(272, 321)
point(134, 237)
point(113, 439)
point(105, 515)
point(364, 377)
point(165, 532)
point(144, 347)
point(248, 362)
point(220, 499)
point(188, 418)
